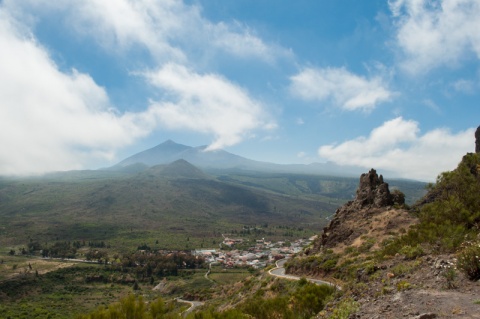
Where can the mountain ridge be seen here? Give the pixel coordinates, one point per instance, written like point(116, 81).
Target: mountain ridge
point(170, 151)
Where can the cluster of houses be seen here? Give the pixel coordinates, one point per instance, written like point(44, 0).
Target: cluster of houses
point(257, 256)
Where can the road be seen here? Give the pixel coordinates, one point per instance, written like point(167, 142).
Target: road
point(279, 271)
point(193, 305)
point(209, 271)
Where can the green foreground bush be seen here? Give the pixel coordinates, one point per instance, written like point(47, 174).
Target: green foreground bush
point(469, 261)
point(451, 219)
point(133, 307)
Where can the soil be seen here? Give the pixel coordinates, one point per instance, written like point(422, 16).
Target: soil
point(422, 293)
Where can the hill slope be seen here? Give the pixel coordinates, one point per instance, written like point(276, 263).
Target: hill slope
point(395, 263)
point(165, 204)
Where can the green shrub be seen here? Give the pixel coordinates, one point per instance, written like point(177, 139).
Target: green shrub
point(131, 307)
point(309, 299)
point(450, 275)
point(469, 261)
point(346, 308)
point(451, 217)
point(329, 264)
point(403, 285)
point(412, 252)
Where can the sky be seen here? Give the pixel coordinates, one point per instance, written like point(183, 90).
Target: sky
point(391, 85)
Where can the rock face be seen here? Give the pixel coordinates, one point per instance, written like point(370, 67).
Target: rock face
point(372, 191)
point(373, 198)
point(477, 140)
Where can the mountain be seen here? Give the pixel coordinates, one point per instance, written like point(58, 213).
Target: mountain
point(170, 151)
point(216, 160)
point(177, 169)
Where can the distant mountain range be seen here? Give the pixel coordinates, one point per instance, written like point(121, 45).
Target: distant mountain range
point(169, 152)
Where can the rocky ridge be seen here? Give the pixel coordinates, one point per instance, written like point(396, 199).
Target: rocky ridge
point(374, 211)
point(425, 284)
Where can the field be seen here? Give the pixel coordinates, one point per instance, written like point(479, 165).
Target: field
point(224, 276)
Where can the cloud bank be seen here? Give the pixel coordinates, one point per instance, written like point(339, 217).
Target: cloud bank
point(207, 104)
point(398, 146)
point(52, 119)
point(436, 33)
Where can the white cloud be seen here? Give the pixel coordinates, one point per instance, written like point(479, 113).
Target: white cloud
point(464, 86)
point(169, 29)
point(55, 120)
point(398, 146)
point(432, 105)
point(51, 120)
point(436, 33)
point(208, 104)
point(239, 40)
point(347, 90)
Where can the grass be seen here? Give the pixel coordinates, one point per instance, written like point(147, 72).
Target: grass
point(228, 276)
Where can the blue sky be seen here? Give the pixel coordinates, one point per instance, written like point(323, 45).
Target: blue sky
point(393, 85)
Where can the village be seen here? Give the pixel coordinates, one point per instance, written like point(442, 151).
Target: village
point(261, 254)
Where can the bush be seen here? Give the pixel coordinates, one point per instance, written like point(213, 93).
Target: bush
point(412, 252)
point(131, 307)
point(310, 299)
point(346, 308)
point(469, 261)
point(403, 285)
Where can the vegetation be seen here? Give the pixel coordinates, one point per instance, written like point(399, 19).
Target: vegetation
point(317, 264)
point(126, 210)
point(133, 307)
point(346, 307)
point(298, 300)
point(469, 260)
point(452, 218)
point(125, 225)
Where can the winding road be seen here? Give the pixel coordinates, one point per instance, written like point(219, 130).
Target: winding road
point(279, 271)
point(193, 305)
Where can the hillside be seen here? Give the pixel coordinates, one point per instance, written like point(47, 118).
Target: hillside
point(117, 216)
point(175, 205)
point(389, 260)
point(394, 262)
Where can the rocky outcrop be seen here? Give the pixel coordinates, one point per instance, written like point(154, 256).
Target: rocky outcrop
point(372, 191)
point(477, 140)
point(354, 219)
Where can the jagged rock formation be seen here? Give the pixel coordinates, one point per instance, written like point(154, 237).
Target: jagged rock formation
point(372, 191)
point(477, 140)
point(354, 219)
